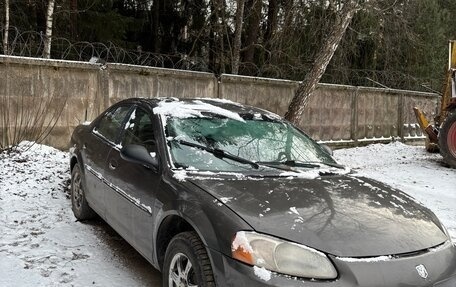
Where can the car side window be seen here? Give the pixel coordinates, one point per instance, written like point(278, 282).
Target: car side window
point(139, 130)
point(110, 124)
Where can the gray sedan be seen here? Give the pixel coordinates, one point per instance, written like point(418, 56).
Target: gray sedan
point(215, 193)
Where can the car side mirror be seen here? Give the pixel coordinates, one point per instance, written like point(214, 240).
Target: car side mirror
point(327, 149)
point(138, 154)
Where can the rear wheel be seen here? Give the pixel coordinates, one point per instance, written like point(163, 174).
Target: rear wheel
point(79, 205)
point(447, 139)
point(187, 263)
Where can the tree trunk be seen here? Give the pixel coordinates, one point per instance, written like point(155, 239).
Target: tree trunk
point(285, 30)
point(48, 36)
point(306, 87)
point(156, 26)
point(74, 19)
point(221, 11)
point(252, 30)
point(5, 35)
point(237, 37)
point(212, 36)
point(271, 23)
point(216, 45)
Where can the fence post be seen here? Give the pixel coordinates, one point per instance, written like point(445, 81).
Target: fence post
point(5, 101)
point(354, 117)
point(218, 86)
point(400, 118)
point(103, 93)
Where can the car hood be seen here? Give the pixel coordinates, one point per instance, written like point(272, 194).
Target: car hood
point(340, 215)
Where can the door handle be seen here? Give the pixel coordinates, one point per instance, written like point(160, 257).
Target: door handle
point(112, 164)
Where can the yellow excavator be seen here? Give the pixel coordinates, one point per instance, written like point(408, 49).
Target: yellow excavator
point(442, 134)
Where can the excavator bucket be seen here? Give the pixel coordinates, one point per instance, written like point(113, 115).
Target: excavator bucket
point(429, 129)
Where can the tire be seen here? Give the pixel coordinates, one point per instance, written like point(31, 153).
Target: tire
point(79, 205)
point(184, 249)
point(447, 139)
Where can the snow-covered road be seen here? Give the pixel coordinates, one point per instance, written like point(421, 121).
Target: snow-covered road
point(41, 244)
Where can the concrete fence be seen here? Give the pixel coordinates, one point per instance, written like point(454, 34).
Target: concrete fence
point(335, 114)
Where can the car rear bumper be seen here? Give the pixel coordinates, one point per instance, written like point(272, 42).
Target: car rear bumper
point(393, 272)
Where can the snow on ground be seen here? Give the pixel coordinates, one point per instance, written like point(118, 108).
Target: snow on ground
point(410, 169)
point(41, 243)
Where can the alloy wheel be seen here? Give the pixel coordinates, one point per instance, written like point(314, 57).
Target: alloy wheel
point(181, 272)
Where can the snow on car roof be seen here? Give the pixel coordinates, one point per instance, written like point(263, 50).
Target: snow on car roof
point(192, 109)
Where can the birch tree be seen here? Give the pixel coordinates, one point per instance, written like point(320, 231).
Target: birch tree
point(48, 36)
point(322, 59)
point(5, 35)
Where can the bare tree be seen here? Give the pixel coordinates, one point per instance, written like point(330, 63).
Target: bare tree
point(5, 35)
point(253, 28)
point(48, 36)
point(237, 37)
point(74, 19)
point(322, 59)
point(271, 24)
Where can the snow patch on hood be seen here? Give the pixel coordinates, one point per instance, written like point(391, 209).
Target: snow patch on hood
point(314, 173)
point(365, 260)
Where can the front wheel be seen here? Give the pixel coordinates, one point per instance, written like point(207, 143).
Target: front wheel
point(447, 139)
point(187, 263)
point(81, 208)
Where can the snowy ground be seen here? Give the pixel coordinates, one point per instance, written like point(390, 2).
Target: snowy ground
point(41, 244)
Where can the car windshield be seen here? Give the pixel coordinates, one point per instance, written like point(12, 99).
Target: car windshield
point(202, 143)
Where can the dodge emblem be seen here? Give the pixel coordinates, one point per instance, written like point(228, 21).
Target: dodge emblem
point(422, 271)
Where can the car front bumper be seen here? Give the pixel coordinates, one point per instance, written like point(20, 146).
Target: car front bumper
point(394, 272)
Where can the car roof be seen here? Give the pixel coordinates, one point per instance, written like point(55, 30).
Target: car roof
point(221, 103)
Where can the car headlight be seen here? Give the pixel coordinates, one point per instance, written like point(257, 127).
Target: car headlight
point(281, 256)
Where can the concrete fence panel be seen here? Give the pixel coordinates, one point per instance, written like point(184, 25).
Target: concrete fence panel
point(36, 90)
point(271, 94)
point(378, 114)
point(126, 81)
point(335, 114)
point(328, 115)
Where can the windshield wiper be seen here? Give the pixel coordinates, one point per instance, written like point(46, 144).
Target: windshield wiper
point(294, 163)
point(219, 153)
point(277, 165)
point(288, 163)
point(336, 165)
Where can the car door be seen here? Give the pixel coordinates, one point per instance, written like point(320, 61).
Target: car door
point(95, 150)
point(132, 196)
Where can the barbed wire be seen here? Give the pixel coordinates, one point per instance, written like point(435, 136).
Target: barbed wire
point(31, 44)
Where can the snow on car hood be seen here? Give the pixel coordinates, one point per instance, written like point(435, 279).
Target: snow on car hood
point(342, 215)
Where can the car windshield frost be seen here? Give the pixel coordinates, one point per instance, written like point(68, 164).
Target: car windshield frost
point(255, 140)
